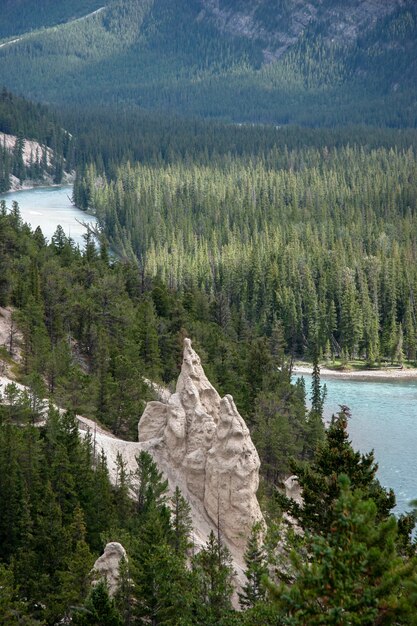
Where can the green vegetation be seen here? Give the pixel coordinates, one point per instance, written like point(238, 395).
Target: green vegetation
point(319, 241)
point(26, 120)
point(91, 328)
point(25, 15)
point(354, 575)
point(57, 508)
point(176, 58)
point(261, 243)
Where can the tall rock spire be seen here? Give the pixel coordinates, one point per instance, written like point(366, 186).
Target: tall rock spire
point(207, 440)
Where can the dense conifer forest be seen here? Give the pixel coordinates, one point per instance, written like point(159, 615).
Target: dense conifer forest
point(28, 121)
point(318, 239)
point(169, 57)
point(254, 176)
point(91, 328)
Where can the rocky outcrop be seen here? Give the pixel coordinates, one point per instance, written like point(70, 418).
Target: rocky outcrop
point(31, 149)
point(203, 436)
point(293, 489)
point(279, 26)
point(108, 564)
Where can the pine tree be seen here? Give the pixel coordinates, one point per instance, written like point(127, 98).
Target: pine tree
point(213, 574)
point(99, 609)
point(150, 486)
point(75, 580)
point(318, 393)
point(253, 591)
point(147, 336)
point(354, 575)
point(181, 524)
point(122, 489)
point(320, 480)
point(162, 582)
point(124, 598)
point(13, 610)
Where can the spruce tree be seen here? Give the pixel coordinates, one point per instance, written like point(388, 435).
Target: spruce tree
point(319, 480)
point(98, 610)
point(181, 524)
point(13, 610)
point(213, 574)
point(150, 486)
point(354, 574)
point(253, 590)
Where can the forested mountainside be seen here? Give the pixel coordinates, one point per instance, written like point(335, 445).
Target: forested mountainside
point(20, 16)
point(319, 63)
point(228, 217)
point(33, 145)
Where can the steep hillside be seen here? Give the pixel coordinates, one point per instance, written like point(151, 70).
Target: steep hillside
point(20, 16)
point(322, 62)
point(279, 25)
point(33, 145)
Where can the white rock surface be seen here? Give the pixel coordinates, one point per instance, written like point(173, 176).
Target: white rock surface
point(202, 445)
point(30, 148)
point(293, 489)
point(108, 564)
point(207, 441)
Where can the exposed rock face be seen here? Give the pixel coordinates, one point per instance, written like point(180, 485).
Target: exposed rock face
point(107, 565)
point(279, 25)
point(293, 489)
point(204, 436)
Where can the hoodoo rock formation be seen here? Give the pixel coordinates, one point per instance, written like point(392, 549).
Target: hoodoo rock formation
point(203, 436)
point(108, 564)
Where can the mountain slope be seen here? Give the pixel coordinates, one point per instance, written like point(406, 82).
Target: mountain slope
point(322, 62)
point(20, 16)
point(33, 145)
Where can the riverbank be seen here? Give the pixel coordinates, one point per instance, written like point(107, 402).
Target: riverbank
point(28, 185)
point(370, 374)
point(49, 207)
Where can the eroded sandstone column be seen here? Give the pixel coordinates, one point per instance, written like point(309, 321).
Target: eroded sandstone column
point(204, 436)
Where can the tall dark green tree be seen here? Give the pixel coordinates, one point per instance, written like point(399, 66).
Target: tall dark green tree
point(354, 574)
point(213, 580)
point(320, 483)
point(99, 609)
point(254, 590)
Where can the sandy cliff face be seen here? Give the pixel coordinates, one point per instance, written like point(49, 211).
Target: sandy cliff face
point(31, 149)
point(205, 439)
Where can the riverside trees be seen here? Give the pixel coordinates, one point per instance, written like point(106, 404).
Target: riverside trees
point(319, 240)
point(58, 506)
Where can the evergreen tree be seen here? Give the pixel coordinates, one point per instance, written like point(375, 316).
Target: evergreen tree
point(354, 575)
point(75, 579)
point(13, 610)
point(320, 480)
point(150, 486)
point(256, 570)
point(213, 574)
point(99, 609)
point(181, 524)
point(147, 336)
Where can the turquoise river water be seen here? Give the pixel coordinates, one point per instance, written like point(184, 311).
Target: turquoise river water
point(48, 207)
point(384, 413)
point(384, 418)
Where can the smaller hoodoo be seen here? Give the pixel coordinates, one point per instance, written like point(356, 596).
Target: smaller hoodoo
point(107, 566)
